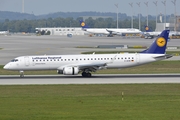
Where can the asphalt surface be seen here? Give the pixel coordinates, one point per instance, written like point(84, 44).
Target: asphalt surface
point(14, 46)
point(95, 79)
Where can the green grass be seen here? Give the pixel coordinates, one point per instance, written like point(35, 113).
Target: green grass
point(86, 102)
point(152, 68)
point(175, 53)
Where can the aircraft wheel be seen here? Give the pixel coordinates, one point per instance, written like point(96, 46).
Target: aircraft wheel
point(84, 74)
point(88, 74)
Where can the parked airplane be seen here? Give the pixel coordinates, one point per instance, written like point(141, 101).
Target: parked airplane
point(109, 31)
point(74, 64)
point(4, 32)
point(149, 34)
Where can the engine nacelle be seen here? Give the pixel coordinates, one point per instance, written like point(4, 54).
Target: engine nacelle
point(69, 71)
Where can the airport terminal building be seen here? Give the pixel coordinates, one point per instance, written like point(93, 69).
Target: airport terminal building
point(172, 24)
point(62, 31)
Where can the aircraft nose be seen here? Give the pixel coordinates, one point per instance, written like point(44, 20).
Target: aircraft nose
point(6, 66)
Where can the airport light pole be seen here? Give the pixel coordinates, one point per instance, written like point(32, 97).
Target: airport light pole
point(155, 3)
point(139, 15)
point(174, 2)
point(146, 3)
point(22, 6)
point(164, 3)
point(131, 4)
point(117, 6)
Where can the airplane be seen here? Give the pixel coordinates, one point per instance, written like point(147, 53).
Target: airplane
point(149, 34)
point(109, 31)
point(86, 64)
point(4, 32)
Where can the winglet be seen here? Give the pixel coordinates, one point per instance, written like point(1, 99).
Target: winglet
point(159, 45)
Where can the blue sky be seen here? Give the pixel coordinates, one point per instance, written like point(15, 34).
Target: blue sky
point(39, 7)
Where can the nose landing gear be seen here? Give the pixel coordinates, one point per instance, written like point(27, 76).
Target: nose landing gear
point(21, 73)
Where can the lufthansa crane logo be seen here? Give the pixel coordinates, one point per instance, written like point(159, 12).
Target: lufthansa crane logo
point(147, 28)
point(161, 42)
point(83, 24)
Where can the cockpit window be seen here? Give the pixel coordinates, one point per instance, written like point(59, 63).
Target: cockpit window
point(14, 60)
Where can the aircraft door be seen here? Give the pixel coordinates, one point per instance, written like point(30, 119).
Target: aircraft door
point(137, 58)
point(26, 60)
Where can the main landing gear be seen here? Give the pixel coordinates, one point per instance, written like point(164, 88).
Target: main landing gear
point(21, 73)
point(86, 74)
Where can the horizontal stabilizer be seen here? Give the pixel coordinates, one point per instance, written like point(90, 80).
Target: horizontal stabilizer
point(166, 56)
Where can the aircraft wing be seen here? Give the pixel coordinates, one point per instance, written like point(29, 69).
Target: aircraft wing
point(92, 67)
point(86, 66)
point(110, 31)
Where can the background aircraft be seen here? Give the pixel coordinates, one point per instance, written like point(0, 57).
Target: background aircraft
point(109, 31)
point(149, 34)
point(4, 32)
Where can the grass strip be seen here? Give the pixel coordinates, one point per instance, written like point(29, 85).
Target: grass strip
point(175, 53)
point(84, 102)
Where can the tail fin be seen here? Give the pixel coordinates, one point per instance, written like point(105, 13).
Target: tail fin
point(83, 24)
point(159, 45)
point(147, 29)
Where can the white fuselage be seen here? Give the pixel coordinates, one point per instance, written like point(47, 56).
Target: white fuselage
point(155, 34)
point(113, 31)
point(58, 62)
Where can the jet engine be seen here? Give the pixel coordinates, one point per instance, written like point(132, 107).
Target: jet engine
point(69, 71)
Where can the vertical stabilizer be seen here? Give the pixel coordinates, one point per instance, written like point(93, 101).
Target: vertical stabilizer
point(159, 45)
point(83, 24)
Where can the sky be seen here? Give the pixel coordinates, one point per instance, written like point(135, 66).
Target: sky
point(40, 7)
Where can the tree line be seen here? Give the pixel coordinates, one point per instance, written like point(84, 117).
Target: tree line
point(29, 26)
